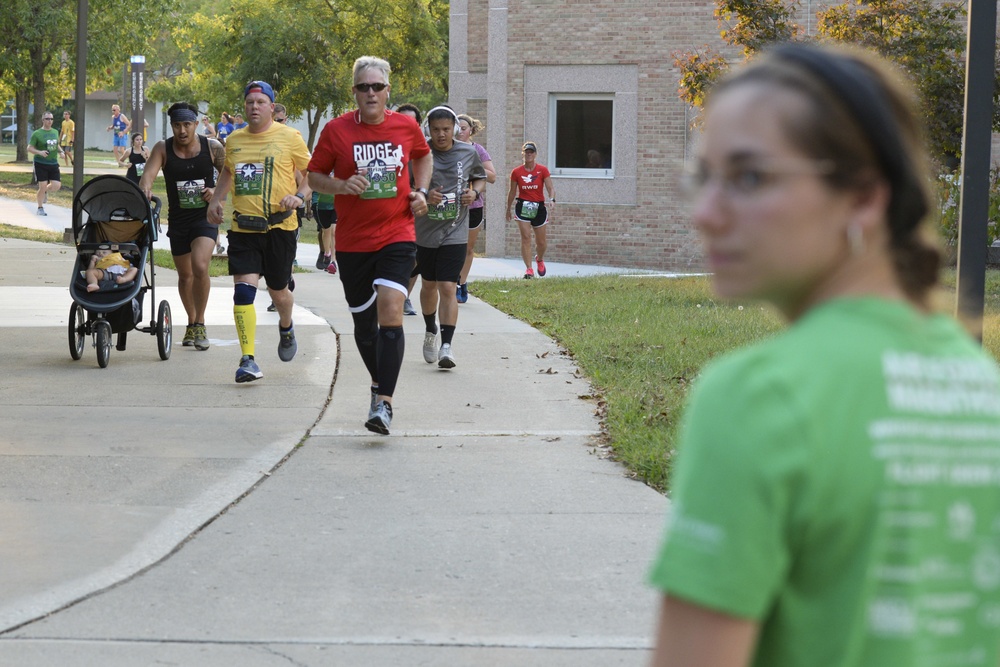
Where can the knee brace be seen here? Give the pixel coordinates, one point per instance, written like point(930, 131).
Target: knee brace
point(244, 294)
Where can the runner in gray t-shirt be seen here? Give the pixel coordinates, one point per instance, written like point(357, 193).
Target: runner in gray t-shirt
point(443, 233)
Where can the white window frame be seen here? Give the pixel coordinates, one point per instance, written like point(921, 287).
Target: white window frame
point(554, 99)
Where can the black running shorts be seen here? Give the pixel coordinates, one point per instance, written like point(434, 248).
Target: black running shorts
point(47, 172)
point(269, 254)
point(539, 218)
point(442, 264)
point(360, 272)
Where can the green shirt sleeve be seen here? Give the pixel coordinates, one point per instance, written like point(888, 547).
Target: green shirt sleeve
point(727, 544)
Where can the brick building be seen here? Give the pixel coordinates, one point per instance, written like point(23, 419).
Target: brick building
point(534, 70)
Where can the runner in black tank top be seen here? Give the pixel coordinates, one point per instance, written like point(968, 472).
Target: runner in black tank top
point(190, 183)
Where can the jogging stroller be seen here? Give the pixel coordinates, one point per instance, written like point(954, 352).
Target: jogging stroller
point(112, 213)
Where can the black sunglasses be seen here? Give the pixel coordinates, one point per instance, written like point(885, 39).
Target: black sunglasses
point(365, 87)
point(280, 120)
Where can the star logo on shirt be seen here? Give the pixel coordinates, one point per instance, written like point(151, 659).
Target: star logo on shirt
point(248, 171)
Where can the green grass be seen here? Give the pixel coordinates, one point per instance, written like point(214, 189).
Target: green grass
point(17, 185)
point(91, 157)
point(642, 341)
point(14, 232)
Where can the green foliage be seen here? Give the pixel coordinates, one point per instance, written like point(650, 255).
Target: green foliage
point(753, 24)
point(949, 192)
point(699, 70)
point(924, 37)
point(46, 40)
point(927, 40)
point(308, 62)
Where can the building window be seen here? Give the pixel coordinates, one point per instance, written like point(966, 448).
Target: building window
point(582, 132)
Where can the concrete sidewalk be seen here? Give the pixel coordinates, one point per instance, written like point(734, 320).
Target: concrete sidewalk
point(158, 512)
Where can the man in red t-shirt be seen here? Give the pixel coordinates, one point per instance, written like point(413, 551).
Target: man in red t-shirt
point(526, 181)
point(363, 158)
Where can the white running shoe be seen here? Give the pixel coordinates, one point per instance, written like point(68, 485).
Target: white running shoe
point(446, 358)
point(430, 347)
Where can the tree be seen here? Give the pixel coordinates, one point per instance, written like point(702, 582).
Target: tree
point(42, 59)
point(926, 39)
point(307, 62)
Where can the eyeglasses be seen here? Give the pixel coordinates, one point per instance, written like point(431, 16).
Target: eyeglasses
point(46, 117)
point(280, 120)
point(366, 87)
point(749, 179)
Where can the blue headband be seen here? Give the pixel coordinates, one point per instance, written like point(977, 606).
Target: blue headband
point(183, 115)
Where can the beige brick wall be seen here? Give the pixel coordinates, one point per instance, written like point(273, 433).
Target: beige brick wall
point(478, 31)
point(654, 233)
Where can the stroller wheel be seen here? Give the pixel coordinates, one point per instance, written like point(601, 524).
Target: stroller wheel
point(77, 331)
point(164, 330)
point(103, 343)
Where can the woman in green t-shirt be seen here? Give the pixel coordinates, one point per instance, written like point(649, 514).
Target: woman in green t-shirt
point(836, 498)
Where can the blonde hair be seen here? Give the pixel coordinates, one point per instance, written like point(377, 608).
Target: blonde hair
point(476, 125)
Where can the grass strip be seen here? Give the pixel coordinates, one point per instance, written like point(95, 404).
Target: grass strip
point(642, 341)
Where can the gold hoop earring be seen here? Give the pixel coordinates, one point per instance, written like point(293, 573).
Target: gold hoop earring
point(856, 240)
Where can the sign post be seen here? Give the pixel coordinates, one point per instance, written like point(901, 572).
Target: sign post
point(972, 221)
point(138, 65)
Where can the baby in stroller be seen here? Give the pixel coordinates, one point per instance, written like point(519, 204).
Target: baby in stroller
point(108, 269)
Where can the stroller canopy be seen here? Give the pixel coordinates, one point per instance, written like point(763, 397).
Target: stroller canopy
point(104, 198)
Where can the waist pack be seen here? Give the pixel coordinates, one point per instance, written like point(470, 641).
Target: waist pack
point(258, 223)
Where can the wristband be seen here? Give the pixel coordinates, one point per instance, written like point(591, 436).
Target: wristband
point(300, 196)
point(423, 191)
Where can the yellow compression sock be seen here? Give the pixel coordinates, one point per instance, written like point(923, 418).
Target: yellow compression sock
point(246, 326)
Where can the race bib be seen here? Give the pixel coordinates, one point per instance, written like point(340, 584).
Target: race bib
point(381, 177)
point(189, 193)
point(249, 177)
point(447, 210)
point(139, 169)
point(529, 210)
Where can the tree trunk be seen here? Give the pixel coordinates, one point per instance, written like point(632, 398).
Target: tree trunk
point(312, 118)
point(21, 106)
point(38, 65)
point(39, 62)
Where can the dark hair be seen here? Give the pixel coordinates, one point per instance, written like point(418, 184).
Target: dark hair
point(136, 134)
point(413, 108)
point(862, 120)
point(443, 112)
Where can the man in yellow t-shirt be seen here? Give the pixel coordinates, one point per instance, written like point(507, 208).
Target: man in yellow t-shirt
point(266, 169)
point(67, 134)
